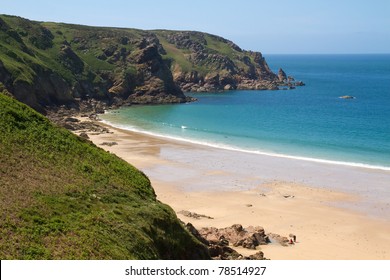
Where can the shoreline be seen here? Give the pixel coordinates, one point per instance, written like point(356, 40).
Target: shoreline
point(256, 152)
point(196, 178)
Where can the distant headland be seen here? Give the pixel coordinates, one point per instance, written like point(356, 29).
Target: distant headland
point(46, 65)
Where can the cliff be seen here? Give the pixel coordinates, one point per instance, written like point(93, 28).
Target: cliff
point(64, 198)
point(51, 64)
point(204, 62)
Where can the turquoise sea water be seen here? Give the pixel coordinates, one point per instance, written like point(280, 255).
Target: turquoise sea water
point(310, 122)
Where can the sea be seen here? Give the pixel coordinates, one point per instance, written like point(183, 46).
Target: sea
point(311, 123)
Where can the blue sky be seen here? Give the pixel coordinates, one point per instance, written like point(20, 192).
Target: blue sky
point(281, 26)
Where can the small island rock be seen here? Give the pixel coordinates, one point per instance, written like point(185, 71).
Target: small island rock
point(347, 97)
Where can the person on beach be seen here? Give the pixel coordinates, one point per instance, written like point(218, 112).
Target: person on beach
point(293, 237)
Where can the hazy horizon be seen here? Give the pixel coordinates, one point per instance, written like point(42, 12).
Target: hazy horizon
point(283, 27)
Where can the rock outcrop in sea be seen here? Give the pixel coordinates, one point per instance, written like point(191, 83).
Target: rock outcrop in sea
point(347, 97)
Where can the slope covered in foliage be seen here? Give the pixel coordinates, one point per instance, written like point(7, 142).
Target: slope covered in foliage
point(206, 62)
point(47, 64)
point(64, 198)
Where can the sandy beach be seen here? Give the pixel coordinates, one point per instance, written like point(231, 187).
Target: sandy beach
point(336, 212)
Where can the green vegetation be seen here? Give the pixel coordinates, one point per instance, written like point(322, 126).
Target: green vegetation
point(50, 64)
point(47, 64)
point(220, 46)
point(64, 198)
point(178, 57)
point(27, 47)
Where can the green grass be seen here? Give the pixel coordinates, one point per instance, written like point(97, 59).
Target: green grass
point(64, 198)
point(26, 54)
point(15, 61)
point(177, 56)
point(21, 64)
point(220, 47)
point(179, 59)
point(94, 63)
point(98, 57)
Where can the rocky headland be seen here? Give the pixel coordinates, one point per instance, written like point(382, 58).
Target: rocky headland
point(47, 65)
point(202, 62)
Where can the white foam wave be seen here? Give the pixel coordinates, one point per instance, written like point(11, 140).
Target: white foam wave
point(257, 152)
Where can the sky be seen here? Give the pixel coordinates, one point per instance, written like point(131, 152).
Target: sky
point(271, 27)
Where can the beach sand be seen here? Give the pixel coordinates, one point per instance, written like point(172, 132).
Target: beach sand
point(316, 202)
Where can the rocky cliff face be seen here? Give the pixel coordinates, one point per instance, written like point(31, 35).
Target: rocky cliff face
point(46, 65)
point(53, 64)
point(204, 62)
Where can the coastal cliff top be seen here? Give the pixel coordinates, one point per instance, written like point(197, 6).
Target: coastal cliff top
point(45, 64)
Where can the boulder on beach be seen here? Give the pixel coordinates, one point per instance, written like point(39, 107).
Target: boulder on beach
point(236, 235)
point(219, 240)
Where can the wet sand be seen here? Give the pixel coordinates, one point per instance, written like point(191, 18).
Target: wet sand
point(336, 212)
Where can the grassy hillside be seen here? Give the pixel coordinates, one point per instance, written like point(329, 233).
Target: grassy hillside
point(205, 62)
point(179, 46)
point(51, 64)
point(64, 198)
point(47, 64)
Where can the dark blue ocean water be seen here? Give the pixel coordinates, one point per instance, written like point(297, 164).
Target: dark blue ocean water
point(310, 122)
